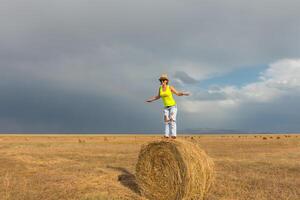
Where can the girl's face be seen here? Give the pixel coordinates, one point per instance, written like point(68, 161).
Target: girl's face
point(164, 82)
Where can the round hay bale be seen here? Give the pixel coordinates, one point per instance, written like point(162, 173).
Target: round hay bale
point(174, 170)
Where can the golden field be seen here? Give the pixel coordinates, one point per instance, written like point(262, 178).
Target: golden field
point(102, 167)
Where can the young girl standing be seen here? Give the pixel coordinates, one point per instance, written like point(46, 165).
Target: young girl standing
point(170, 108)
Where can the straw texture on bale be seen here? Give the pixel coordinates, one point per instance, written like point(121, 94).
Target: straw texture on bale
point(174, 170)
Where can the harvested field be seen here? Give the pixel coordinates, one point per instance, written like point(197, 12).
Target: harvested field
point(102, 167)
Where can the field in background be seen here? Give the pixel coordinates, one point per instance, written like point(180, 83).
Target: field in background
point(101, 167)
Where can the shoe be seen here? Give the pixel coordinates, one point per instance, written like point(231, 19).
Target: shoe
point(166, 137)
point(173, 137)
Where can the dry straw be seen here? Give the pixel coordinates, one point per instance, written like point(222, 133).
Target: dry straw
point(174, 170)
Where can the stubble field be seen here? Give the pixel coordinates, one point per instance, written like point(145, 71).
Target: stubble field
point(102, 167)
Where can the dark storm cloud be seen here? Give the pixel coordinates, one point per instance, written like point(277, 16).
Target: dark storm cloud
point(38, 107)
point(184, 77)
point(230, 33)
point(88, 56)
point(277, 116)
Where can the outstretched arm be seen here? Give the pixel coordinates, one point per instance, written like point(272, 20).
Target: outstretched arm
point(173, 90)
point(153, 98)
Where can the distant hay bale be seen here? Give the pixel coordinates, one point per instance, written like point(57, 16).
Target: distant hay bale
point(174, 170)
point(81, 141)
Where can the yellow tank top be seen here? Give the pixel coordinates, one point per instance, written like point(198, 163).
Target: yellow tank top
point(167, 96)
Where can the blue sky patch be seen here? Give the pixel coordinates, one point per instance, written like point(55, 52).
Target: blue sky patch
point(238, 77)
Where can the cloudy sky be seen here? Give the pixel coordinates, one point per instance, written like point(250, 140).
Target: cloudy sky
point(89, 65)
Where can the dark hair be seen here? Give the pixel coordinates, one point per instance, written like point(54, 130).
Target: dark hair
point(161, 80)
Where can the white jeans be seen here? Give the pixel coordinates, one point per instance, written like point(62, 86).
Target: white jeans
point(170, 120)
